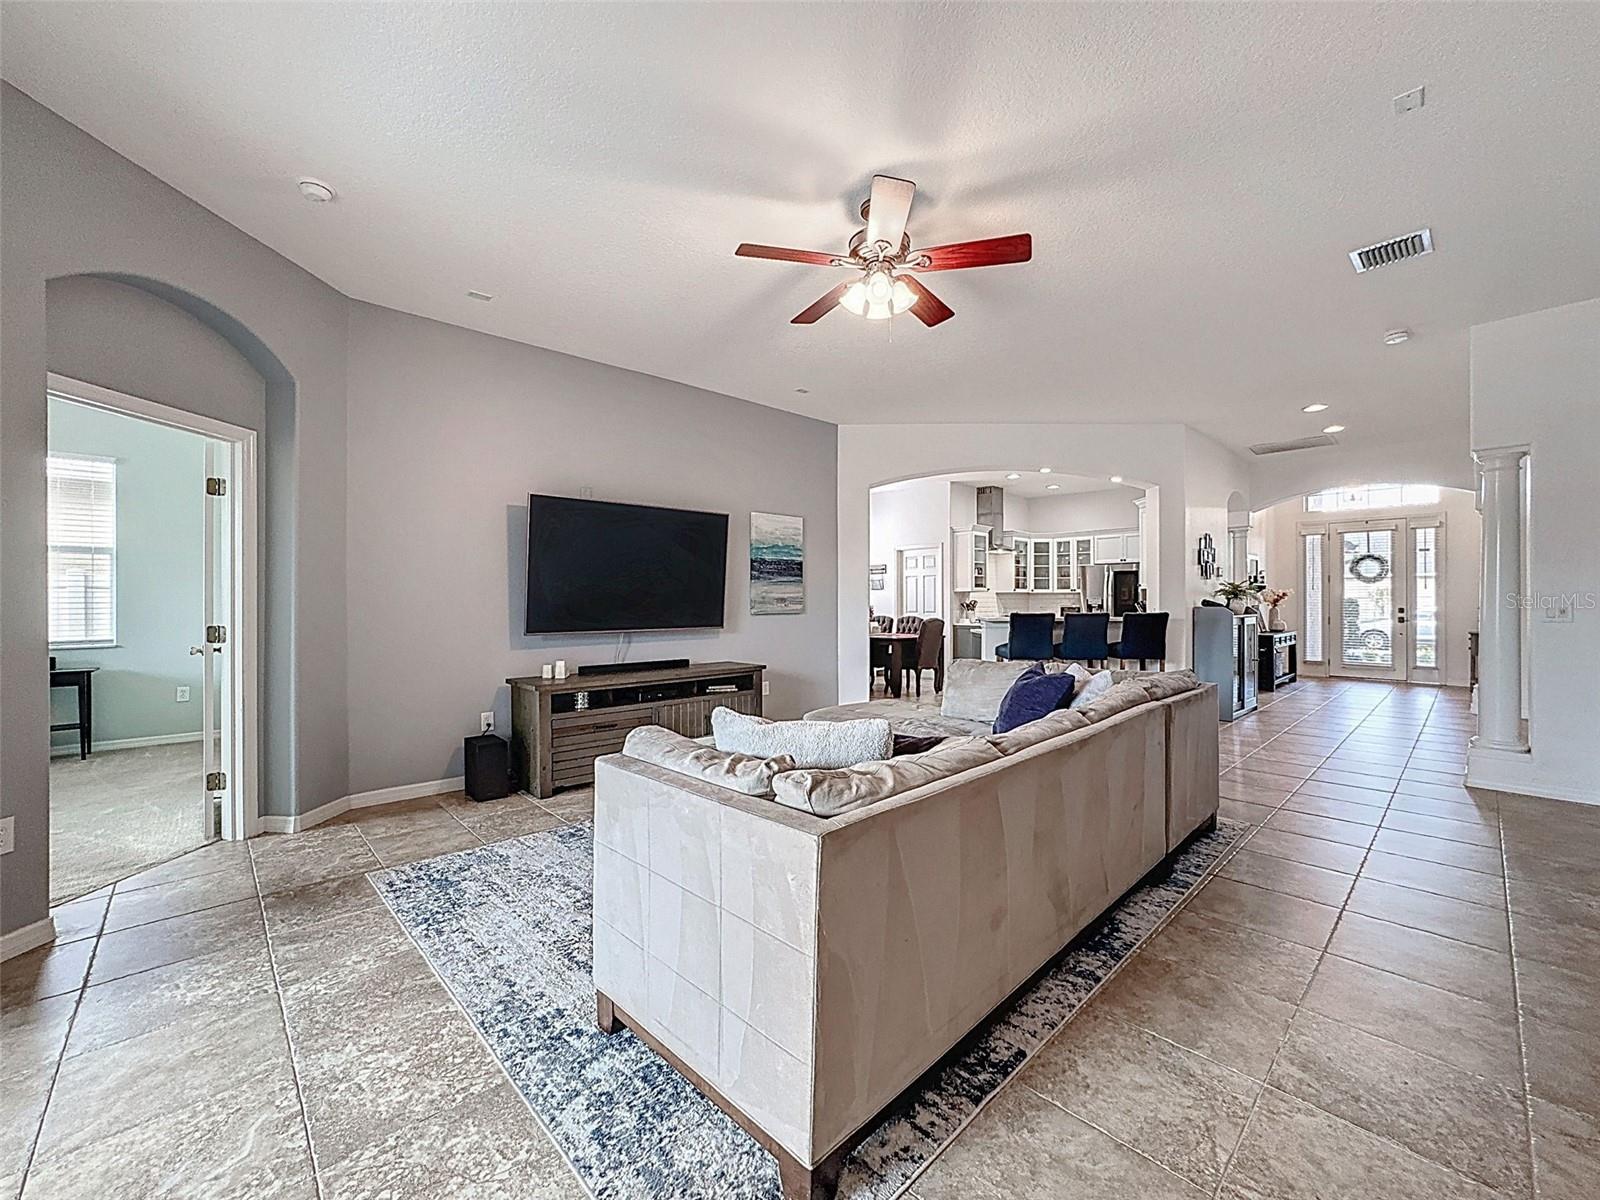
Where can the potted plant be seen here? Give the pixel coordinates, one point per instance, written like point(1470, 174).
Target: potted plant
point(1272, 597)
point(1239, 594)
point(968, 608)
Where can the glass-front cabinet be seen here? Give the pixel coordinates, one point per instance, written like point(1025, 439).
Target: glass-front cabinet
point(1043, 576)
point(1064, 571)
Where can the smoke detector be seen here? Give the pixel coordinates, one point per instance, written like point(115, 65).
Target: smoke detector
point(1305, 443)
point(1410, 245)
point(316, 191)
point(1395, 336)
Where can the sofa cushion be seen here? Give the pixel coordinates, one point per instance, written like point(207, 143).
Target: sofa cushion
point(823, 744)
point(1091, 685)
point(1032, 695)
point(830, 793)
point(1057, 724)
point(1117, 698)
point(904, 716)
point(974, 687)
point(1163, 685)
point(741, 772)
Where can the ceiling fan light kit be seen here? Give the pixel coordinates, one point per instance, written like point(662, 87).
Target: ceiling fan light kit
point(882, 252)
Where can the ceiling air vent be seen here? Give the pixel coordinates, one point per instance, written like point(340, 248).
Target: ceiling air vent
point(1392, 251)
point(1305, 443)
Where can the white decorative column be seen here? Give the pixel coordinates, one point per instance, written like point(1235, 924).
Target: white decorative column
point(1239, 552)
point(1144, 579)
point(1500, 622)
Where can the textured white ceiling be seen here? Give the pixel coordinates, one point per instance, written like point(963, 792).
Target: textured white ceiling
point(1193, 176)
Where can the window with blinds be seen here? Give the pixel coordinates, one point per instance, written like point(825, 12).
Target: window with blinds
point(83, 550)
point(1311, 649)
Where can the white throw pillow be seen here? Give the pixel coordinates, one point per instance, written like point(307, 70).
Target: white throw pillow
point(1091, 685)
point(826, 745)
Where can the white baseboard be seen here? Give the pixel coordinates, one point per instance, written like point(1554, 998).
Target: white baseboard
point(333, 808)
point(159, 739)
point(29, 937)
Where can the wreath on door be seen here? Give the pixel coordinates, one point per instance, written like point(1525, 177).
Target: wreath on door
point(1369, 568)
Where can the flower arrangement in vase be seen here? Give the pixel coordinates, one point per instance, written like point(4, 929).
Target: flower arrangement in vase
point(1272, 597)
point(1239, 594)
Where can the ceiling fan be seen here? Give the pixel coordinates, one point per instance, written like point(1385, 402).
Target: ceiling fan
point(882, 252)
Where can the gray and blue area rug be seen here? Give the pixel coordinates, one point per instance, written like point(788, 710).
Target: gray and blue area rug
point(507, 928)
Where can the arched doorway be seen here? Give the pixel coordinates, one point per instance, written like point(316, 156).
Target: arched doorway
point(1383, 576)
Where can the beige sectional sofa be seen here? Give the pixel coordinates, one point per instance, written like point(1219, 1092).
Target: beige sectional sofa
point(803, 971)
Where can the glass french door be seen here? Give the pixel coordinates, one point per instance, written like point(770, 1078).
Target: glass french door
point(1375, 594)
point(215, 649)
point(1370, 609)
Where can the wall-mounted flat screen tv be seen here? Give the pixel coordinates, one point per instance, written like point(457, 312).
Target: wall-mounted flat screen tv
point(597, 567)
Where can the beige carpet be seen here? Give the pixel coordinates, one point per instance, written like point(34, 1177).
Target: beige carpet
point(119, 811)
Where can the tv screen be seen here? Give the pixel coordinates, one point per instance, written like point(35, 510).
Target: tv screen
point(596, 567)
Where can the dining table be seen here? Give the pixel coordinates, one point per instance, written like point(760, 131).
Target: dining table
point(894, 652)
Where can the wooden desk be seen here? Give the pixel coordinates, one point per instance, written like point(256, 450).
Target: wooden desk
point(82, 679)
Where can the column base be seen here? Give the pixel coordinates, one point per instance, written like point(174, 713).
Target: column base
point(1479, 742)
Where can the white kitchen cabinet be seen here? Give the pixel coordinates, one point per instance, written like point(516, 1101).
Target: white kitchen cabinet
point(1022, 549)
point(971, 559)
point(1064, 565)
point(1116, 547)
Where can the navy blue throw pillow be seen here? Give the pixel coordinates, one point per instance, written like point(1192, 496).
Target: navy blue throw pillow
point(1036, 693)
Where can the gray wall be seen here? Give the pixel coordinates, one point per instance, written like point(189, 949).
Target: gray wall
point(73, 207)
point(449, 432)
point(160, 576)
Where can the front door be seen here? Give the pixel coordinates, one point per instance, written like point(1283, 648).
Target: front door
point(1370, 595)
point(920, 591)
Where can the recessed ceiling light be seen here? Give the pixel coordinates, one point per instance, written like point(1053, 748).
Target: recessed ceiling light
point(1314, 408)
point(1395, 336)
point(1116, 479)
point(479, 296)
point(802, 391)
point(316, 191)
point(1013, 475)
point(1052, 487)
point(1333, 429)
point(1044, 470)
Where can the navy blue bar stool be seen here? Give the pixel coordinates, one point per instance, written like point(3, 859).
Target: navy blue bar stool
point(1144, 636)
point(1084, 637)
point(1032, 636)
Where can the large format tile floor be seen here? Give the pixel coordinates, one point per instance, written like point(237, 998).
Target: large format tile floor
point(1388, 991)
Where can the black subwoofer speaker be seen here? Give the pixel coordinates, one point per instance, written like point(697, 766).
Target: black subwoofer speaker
point(488, 767)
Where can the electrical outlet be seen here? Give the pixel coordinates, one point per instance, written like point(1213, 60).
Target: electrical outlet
point(766, 687)
point(183, 695)
point(1560, 610)
point(8, 835)
point(486, 722)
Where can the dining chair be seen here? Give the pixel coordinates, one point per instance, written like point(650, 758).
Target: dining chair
point(1029, 636)
point(1084, 636)
point(929, 654)
point(908, 624)
point(1144, 636)
point(883, 623)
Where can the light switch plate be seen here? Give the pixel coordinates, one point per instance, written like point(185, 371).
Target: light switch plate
point(766, 687)
point(8, 835)
point(183, 695)
point(1560, 610)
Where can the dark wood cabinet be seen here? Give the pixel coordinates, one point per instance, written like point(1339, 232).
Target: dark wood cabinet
point(1280, 660)
point(560, 726)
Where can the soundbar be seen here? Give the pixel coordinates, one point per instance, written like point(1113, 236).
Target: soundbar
point(660, 664)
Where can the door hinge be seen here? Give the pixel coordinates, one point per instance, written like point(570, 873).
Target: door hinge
point(216, 635)
point(216, 486)
point(216, 781)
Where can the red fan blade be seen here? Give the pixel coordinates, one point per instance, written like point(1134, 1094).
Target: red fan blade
point(887, 210)
point(784, 254)
point(822, 307)
point(989, 252)
point(928, 309)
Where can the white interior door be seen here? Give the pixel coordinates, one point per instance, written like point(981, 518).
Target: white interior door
point(920, 592)
point(1371, 623)
point(217, 676)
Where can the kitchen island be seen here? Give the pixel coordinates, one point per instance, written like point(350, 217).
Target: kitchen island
point(993, 631)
